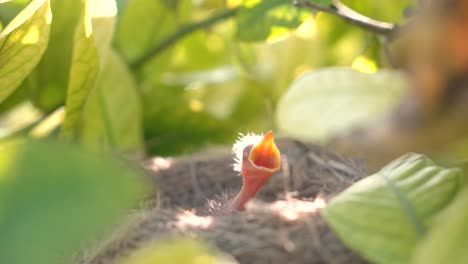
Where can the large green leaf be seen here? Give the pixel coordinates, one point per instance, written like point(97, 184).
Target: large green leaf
point(22, 43)
point(112, 115)
point(327, 101)
point(92, 40)
point(257, 20)
point(385, 215)
point(54, 198)
point(49, 85)
point(447, 241)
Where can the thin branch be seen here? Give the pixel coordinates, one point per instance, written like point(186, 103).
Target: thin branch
point(182, 32)
point(351, 16)
point(337, 8)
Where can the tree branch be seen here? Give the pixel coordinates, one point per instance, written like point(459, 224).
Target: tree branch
point(351, 16)
point(182, 32)
point(337, 8)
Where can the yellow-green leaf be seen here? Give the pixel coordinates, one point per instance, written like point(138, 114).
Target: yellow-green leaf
point(49, 85)
point(385, 215)
point(182, 250)
point(22, 43)
point(447, 240)
point(112, 114)
point(144, 23)
point(92, 40)
point(55, 198)
point(257, 20)
point(327, 101)
point(321, 2)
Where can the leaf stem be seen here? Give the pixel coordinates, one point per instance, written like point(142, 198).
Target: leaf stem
point(182, 32)
point(339, 9)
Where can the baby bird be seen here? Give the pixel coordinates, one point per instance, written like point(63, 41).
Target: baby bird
point(257, 159)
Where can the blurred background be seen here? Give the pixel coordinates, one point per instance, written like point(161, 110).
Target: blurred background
point(201, 87)
point(85, 83)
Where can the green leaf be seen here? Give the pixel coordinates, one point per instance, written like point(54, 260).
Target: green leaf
point(54, 198)
point(112, 114)
point(181, 250)
point(22, 43)
point(328, 101)
point(145, 22)
point(321, 2)
point(10, 8)
point(92, 40)
point(385, 215)
point(257, 20)
point(446, 242)
point(50, 83)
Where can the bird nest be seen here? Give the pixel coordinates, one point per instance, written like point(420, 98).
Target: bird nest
point(283, 224)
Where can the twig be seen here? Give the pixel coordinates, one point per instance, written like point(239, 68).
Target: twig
point(182, 32)
point(351, 16)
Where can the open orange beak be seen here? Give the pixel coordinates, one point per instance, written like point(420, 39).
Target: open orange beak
point(259, 161)
point(265, 155)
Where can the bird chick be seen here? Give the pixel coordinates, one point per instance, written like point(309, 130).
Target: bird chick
point(257, 159)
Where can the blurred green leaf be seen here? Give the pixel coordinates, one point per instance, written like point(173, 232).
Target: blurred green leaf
point(112, 115)
point(54, 198)
point(178, 121)
point(446, 242)
point(51, 75)
point(256, 20)
point(22, 43)
point(322, 2)
point(145, 22)
point(180, 251)
point(20, 94)
point(391, 11)
point(92, 41)
point(324, 102)
point(385, 215)
point(10, 8)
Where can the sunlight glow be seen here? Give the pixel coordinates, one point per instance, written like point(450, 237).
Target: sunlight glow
point(45, 127)
point(196, 105)
point(19, 117)
point(308, 29)
point(364, 65)
point(32, 36)
point(292, 209)
point(233, 3)
point(159, 163)
point(104, 8)
point(188, 219)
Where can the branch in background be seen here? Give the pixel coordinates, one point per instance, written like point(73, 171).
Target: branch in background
point(182, 32)
point(351, 16)
point(337, 8)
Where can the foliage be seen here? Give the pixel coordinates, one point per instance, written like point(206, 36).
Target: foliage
point(183, 250)
point(53, 197)
point(105, 79)
point(446, 242)
point(186, 99)
point(385, 215)
point(22, 43)
point(355, 98)
point(257, 20)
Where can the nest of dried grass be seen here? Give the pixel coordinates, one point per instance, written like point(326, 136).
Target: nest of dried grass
point(282, 225)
